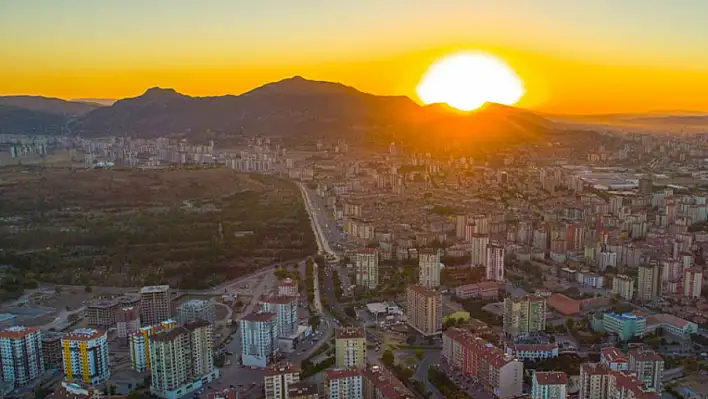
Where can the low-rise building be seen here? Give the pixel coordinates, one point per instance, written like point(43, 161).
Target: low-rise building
point(483, 290)
point(626, 325)
point(676, 326)
point(532, 352)
point(549, 385)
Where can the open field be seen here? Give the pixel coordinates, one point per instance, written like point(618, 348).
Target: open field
point(187, 228)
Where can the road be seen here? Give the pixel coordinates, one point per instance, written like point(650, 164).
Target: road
point(322, 242)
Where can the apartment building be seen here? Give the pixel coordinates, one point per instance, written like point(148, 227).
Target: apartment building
point(625, 385)
point(424, 310)
point(429, 268)
point(495, 262)
point(139, 344)
point(532, 352)
point(288, 287)
point(343, 384)
point(594, 381)
point(524, 315)
point(52, 349)
point(182, 360)
point(285, 309)
point(614, 359)
point(127, 321)
point(102, 313)
point(367, 268)
point(648, 281)
point(85, 356)
point(303, 390)
point(350, 344)
point(259, 334)
point(549, 385)
point(648, 367)
point(478, 250)
point(21, 360)
point(380, 383)
point(692, 282)
point(196, 309)
point(623, 286)
point(279, 378)
point(155, 304)
point(482, 361)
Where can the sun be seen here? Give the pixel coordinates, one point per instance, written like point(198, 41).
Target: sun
point(467, 80)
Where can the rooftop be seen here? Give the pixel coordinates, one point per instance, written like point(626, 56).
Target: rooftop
point(259, 317)
point(302, 388)
point(551, 377)
point(672, 320)
point(350, 332)
point(154, 288)
point(282, 368)
point(613, 355)
point(335, 374)
point(645, 355)
point(84, 334)
point(170, 335)
point(194, 324)
point(423, 290)
point(16, 332)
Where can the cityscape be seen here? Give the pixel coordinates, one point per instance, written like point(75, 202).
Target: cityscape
point(452, 226)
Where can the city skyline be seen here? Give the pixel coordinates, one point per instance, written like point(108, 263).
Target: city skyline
point(596, 58)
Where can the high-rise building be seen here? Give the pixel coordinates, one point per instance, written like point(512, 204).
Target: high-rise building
point(197, 309)
point(127, 321)
point(303, 390)
point(478, 250)
point(182, 360)
point(594, 381)
point(259, 334)
point(429, 268)
point(645, 185)
point(350, 344)
point(524, 315)
point(367, 268)
point(692, 282)
point(424, 311)
point(155, 304)
point(102, 313)
point(460, 225)
point(288, 287)
point(623, 286)
point(495, 262)
point(481, 223)
point(279, 378)
point(21, 360)
point(648, 366)
point(343, 384)
point(139, 344)
point(86, 356)
point(648, 281)
point(285, 309)
point(476, 358)
point(549, 385)
point(52, 349)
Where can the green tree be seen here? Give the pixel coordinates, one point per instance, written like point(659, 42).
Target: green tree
point(88, 289)
point(314, 321)
point(387, 358)
point(419, 354)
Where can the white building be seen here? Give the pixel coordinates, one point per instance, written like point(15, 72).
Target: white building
point(367, 268)
point(197, 309)
point(495, 262)
point(285, 309)
point(21, 359)
point(692, 282)
point(343, 384)
point(278, 379)
point(86, 356)
point(429, 268)
point(139, 344)
point(594, 381)
point(288, 287)
point(549, 385)
point(478, 250)
point(259, 335)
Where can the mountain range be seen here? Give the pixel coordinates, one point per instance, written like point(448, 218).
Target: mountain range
point(295, 108)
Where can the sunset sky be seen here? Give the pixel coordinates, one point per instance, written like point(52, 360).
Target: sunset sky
point(574, 56)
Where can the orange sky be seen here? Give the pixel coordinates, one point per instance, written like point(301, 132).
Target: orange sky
point(604, 57)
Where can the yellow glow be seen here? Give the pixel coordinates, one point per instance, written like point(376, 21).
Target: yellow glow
point(468, 80)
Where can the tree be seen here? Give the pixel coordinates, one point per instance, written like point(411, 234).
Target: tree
point(314, 321)
point(569, 323)
point(88, 289)
point(387, 358)
point(419, 354)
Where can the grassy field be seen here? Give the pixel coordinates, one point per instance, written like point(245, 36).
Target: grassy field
point(188, 228)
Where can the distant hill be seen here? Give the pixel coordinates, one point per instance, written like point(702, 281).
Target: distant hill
point(303, 109)
point(658, 119)
point(15, 120)
point(49, 105)
point(100, 101)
